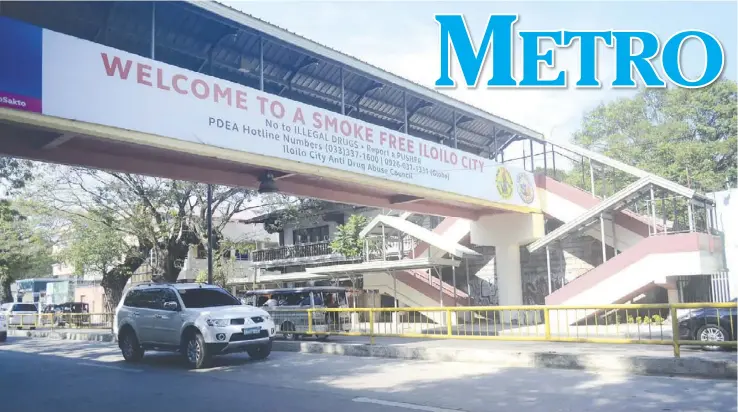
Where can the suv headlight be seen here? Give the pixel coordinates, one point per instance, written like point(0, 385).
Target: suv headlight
point(220, 323)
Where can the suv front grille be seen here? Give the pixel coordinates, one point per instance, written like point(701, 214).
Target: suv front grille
point(257, 319)
point(237, 321)
point(240, 337)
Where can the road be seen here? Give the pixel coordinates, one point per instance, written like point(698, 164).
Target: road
point(64, 376)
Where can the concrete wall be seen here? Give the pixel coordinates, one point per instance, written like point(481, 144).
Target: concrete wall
point(726, 205)
point(93, 296)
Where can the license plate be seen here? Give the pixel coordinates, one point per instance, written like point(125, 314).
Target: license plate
point(251, 331)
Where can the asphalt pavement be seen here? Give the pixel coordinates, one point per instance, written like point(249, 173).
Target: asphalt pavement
point(66, 376)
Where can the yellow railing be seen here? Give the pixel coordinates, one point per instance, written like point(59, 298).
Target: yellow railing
point(59, 321)
point(674, 325)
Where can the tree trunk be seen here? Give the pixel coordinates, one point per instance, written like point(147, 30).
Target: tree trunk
point(115, 280)
point(5, 294)
point(176, 253)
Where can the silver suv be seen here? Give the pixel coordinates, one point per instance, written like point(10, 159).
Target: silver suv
point(196, 320)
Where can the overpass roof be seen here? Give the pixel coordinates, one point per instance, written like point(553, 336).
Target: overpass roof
point(186, 33)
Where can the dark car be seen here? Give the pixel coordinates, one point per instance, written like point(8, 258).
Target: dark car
point(710, 325)
point(74, 313)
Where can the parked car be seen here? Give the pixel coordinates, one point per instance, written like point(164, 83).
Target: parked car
point(74, 313)
point(710, 325)
point(20, 314)
point(197, 320)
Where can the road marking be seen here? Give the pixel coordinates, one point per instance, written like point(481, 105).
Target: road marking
point(97, 365)
point(405, 405)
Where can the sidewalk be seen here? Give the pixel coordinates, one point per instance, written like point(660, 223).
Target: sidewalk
point(620, 359)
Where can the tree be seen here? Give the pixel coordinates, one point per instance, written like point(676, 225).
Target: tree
point(25, 247)
point(346, 241)
point(92, 247)
point(684, 135)
point(159, 218)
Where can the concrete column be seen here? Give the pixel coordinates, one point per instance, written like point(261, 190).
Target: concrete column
point(509, 275)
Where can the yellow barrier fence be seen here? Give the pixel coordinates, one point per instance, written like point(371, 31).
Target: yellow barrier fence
point(710, 325)
point(60, 321)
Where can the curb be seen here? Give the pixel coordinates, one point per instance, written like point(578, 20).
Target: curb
point(692, 367)
point(64, 335)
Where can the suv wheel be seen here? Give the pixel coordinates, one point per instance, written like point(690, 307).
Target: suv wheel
point(196, 351)
point(129, 347)
point(259, 352)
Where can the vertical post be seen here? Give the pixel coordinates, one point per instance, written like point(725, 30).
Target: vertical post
point(603, 239)
point(261, 63)
point(548, 270)
point(653, 210)
point(384, 244)
point(453, 279)
point(210, 233)
point(456, 142)
point(404, 112)
point(675, 331)
point(343, 93)
point(532, 161)
point(663, 210)
point(708, 225)
point(371, 326)
point(153, 30)
point(690, 215)
point(545, 159)
point(553, 160)
point(614, 238)
point(468, 284)
point(440, 287)
point(449, 331)
point(310, 321)
point(547, 322)
point(592, 178)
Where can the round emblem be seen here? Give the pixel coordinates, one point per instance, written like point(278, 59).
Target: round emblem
point(504, 183)
point(526, 188)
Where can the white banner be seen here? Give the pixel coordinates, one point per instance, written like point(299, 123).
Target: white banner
point(92, 83)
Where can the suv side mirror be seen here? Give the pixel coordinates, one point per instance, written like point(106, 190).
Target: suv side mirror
point(171, 305)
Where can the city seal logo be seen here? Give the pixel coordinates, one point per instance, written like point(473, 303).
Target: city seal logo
point(505, 185)
point(526, 188)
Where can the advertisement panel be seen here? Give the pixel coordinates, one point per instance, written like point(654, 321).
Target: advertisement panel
point(62, 76)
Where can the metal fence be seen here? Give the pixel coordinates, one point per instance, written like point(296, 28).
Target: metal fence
point(60, 321)
point(710, 325)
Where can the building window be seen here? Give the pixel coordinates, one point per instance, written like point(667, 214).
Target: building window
point(310, 235)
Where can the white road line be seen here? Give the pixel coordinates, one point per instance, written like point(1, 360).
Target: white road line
point(97, 365)
point(405, 405)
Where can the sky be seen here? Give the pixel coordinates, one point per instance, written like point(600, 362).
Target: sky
point(402, 38)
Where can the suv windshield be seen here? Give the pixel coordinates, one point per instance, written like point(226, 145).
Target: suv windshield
point(205, 298)
point(24, 307)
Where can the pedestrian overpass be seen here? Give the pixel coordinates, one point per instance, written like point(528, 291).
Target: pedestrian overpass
point(198, 91)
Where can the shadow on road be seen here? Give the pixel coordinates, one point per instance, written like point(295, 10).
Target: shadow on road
point(295, 381)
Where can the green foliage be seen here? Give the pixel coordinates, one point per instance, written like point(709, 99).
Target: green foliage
point(346, 240)
point(25, 247)
point(92, 247)
point(685, 135)
point(293, 210)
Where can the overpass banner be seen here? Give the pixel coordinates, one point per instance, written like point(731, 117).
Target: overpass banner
point(66, 77)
